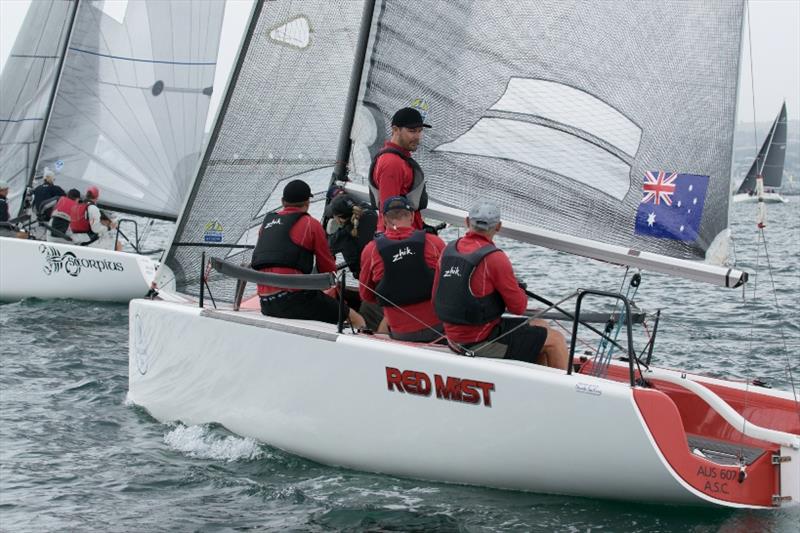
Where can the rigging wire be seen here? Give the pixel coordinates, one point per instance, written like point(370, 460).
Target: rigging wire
point(752, 79)
point(755, 277)
point(761, 241)
point(780, 324)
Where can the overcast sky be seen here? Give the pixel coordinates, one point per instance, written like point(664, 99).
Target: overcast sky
point(775, 26)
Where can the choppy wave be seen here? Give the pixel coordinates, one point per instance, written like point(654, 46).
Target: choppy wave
point(202, 442)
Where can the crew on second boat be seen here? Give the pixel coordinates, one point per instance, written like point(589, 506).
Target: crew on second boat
point(46, 195)
point(5, 216)
point(397, 271)
point(87, 223)
point(289, 241)
point(62, 216)
point(7, 229)
point(475, 284)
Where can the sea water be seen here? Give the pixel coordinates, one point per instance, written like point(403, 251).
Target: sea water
point(75, 456)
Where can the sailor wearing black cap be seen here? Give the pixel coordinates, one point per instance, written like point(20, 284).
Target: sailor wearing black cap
point(394, 172)
point(289, 242)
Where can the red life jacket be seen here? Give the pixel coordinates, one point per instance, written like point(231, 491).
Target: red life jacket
point(79, 218)
point(65, 205)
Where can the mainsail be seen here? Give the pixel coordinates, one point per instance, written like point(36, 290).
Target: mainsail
point(132, 102)
point(770, 159)
point(279, 121)
point(568, 113)
point(26, 88)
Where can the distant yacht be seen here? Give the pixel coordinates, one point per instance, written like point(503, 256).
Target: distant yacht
point(767, 165)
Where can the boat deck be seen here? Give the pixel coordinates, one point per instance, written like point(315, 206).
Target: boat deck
point(724, 453)
point(310, 328)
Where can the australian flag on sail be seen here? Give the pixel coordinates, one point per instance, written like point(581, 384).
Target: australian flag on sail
point(671, 206)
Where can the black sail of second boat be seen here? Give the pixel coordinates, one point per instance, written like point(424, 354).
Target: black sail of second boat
point(770, 159)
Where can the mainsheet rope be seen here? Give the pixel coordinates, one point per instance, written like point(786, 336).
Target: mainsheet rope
point(467, 351)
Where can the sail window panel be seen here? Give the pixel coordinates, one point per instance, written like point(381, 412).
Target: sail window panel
point(556, 152)
point(649, 85)
point(571, 107)
point(281, 122)
point(142, 83)
point(27, 82)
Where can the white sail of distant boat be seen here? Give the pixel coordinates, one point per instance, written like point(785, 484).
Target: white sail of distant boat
point(371, 403)
point(768, 164)
point(27, 85)
point(128, 117)
point(130, 112)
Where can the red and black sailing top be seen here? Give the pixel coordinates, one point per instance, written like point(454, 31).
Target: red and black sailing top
point(406, 283)
point(306, 233)
point(493, 274)
point(393, 176)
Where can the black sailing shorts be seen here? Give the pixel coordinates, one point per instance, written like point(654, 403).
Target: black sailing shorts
point(303, 305)
point(523, 344)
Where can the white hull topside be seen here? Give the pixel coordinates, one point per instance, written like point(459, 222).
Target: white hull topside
point(47, 270)
point(300, 386)
point(768, 197)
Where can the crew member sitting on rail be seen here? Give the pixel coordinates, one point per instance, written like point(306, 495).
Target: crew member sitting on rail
point(288, 243)
point(87, 224)
point(475, 284)
point(61, 217)
point(397, 270)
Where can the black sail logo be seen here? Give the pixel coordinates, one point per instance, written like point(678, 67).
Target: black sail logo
point(56, 261)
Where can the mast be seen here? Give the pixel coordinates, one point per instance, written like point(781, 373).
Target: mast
point(52, 99)
point(343, 152)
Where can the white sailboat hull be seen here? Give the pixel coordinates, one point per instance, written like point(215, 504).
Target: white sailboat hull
point(768, 197)
point(336, 399)
point(47, 270)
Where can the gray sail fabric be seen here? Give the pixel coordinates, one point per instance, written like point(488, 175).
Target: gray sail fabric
point(26, 86)
point(131, 108)
point(770, 159)
point(559, 109)
point(281, 122)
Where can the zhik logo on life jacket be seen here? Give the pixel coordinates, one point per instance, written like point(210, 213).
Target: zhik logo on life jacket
point(452, 271)
point(273, 223)
point(401, 254)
